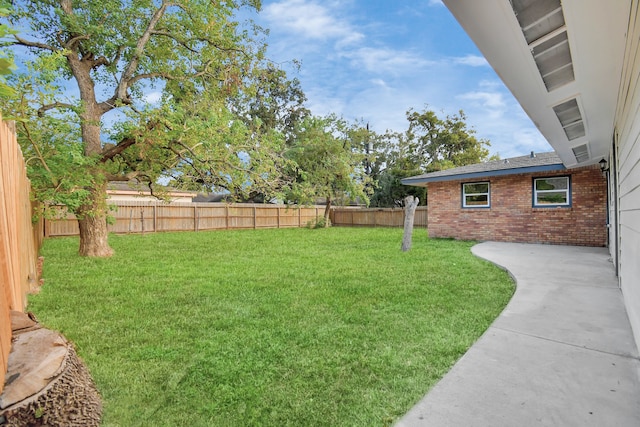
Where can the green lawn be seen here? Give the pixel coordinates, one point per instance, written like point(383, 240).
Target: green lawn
point(298, 327)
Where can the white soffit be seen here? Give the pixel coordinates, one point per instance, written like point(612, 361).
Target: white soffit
point(589, 44)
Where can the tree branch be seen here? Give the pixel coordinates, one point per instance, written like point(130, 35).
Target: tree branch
point(100, 61)
point(123, 85)
point(70, 44)
point(23, 42)
point(124, 144)
point(116, 58)
point(167, 76)
point(168, 34)
point(114, 151)
point(38, 153)
point(53, 106)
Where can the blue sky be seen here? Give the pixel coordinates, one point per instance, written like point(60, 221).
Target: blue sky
point(375, 59)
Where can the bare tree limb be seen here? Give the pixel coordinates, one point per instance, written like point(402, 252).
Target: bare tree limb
point(23, 42)
point(53, 106)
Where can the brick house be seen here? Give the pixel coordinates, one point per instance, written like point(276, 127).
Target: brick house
point(577, 79)
point(528, 199)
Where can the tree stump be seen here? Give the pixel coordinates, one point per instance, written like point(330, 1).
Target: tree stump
point(410, 205)
point(46, 384)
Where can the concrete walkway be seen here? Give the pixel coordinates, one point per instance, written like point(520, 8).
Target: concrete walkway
point(561, 353)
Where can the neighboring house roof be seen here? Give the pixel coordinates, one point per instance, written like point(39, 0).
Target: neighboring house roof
point(534, 162)
point(134, 188)
point(212, 198)
point(127, 186)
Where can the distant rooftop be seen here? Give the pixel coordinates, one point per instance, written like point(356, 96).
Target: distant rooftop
point(534, 162)
point(141, 188)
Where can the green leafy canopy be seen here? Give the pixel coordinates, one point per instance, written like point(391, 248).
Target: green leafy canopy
point(7, 65)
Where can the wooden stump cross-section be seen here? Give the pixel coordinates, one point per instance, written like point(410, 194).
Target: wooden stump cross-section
point(46, 384)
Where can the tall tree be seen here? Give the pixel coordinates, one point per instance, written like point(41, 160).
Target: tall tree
point(275, 101)
point(392, 163)
point(112, 52)
point(437, 144)
point(326, 163)
point(429, 144)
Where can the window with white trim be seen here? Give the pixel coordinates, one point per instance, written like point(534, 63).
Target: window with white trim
point(476, 195)
point(552, 191)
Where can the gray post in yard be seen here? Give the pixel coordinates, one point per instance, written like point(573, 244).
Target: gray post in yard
point(410, 205)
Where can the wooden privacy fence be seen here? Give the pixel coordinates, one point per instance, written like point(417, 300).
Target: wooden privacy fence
point(147, 217)
point(19, 239)
point(376, 217)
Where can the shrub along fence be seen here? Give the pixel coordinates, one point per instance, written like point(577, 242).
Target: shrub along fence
point(149, 217)
point(19, 239)
point(376, 217)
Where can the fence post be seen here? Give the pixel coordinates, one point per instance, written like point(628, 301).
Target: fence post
point(195, 218)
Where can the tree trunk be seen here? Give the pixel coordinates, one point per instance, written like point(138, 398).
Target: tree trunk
point(92, 220)
point(410, 205)
point(92, 216)
point(327, 211)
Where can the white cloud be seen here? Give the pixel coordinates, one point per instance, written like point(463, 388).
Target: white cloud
point(379, 82)
point(310, 20)
point(493, 100)
point(472, 61)
point(376, 70)
point(152, 97)
point(384, 60)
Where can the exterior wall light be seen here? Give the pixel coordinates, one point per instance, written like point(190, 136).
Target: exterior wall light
point(604, 165)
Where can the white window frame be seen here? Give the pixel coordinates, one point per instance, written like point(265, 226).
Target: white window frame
point(567, 191)
point(465, 195)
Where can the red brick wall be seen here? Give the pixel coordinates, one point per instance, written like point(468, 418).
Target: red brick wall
point(512, 218)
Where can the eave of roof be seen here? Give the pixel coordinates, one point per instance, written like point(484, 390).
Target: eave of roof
point(597, 32)
point(542, 162)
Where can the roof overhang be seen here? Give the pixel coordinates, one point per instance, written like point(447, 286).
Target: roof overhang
point(596, 34)
point(423, 181)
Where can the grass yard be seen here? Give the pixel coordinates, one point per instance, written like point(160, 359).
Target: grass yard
point(333, 327)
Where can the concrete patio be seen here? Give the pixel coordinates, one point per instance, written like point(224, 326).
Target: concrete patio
point(561, 353)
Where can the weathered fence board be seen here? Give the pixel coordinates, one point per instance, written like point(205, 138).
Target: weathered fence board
point(376, 217)
point(18, 243)
point(148, 217)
